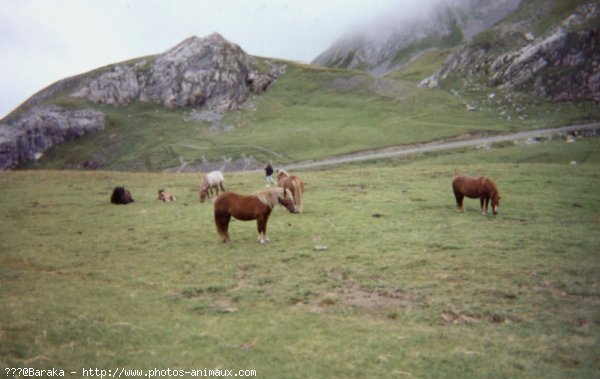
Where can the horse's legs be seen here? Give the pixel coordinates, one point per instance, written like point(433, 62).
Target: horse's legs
point(261, 224)
point(459, 201)
point(298, 199)
point(222, 187)
point(481, 203)
point(487, 201)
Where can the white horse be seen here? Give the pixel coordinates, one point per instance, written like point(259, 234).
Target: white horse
point(212, 180)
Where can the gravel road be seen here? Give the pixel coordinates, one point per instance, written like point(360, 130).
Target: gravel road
point(398, 151)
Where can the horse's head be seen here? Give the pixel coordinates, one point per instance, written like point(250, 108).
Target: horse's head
point(282, 174)
point(495, 196)
point(496, 203)
point(203, 194)
point(286, 199)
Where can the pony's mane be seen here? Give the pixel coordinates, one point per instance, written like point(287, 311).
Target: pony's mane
point(489, 183)
point(269, 196)
point(204, 183)
point(282, 174)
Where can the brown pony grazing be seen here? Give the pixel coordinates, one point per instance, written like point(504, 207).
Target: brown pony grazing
point(482, 188)
point(253, 207)
point(212, 180)
point(165, 196)
point(121, 196)
point(292, 183)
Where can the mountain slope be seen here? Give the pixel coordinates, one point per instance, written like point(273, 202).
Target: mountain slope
point(310, 113)
point(199, 72)
point(545, 48)
point(394, 39)
point(200, 107)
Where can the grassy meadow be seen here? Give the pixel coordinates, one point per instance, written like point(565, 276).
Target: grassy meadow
point(402, 285)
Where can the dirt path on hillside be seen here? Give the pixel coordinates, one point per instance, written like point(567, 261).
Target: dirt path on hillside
point(456, 143)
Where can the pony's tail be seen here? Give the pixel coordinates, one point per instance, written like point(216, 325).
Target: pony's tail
point(298, 196)
point(222, 223)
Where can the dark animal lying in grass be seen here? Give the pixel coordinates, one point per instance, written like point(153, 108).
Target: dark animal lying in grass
point(165, 196)
point(121, 196)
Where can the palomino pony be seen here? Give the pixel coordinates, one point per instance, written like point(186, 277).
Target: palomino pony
point(482, 188)
point(257, 206)
point(292, 183)
point(212, 180)
point(165, 196)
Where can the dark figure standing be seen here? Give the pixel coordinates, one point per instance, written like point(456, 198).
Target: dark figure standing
point(269, 175)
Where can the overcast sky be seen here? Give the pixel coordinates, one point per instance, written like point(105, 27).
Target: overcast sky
point(42, 41)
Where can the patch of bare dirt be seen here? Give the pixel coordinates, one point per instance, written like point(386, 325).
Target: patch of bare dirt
point(460, 317)
point(380, 298)
point(349, 295)
point(580, 297)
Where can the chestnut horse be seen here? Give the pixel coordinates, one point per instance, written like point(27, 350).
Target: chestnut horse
point(257, 206)
point(482, 188)
point(292, 183)
point(210, 181)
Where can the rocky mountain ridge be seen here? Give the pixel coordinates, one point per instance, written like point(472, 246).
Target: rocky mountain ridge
point(208, 72)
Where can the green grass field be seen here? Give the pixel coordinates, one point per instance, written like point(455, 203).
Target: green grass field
point(407, 287)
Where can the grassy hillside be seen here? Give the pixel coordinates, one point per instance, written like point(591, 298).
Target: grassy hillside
point(310, 113)
point(407, 286)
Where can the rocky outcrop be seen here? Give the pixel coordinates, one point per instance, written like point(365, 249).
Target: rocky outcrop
point(541, 66)
point(115, 87)
point(30, 135)
point(562, 64)
point(210, 71)
point(199, 71)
